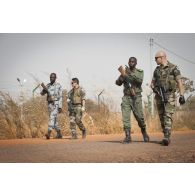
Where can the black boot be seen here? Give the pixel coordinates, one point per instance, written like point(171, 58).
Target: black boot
point(84, 134)
point(166, 140)
point(59, 135)
point(74, 135)
point(127, 139)
point(47, 135)
point(145, 135)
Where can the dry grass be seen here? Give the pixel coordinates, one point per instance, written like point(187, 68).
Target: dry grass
point(30, 119)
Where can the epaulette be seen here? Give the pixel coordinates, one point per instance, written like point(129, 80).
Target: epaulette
point(140, 70)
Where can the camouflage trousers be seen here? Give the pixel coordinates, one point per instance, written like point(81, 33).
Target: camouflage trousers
point(53, 115)
point(133, 104)
point(75, 115)
point(166, 111)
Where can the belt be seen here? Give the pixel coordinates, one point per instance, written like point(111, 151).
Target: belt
point(77, 104)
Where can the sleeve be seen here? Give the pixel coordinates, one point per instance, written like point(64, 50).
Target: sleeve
point(60, 96)
point(154, 76)
point(83, 94)
point(176, 73)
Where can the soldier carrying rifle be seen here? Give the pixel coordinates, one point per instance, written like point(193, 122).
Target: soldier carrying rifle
point(131, 78)
point(54, 99)
point(166, 79)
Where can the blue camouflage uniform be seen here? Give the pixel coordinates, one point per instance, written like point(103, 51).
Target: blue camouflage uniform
point(54, 99)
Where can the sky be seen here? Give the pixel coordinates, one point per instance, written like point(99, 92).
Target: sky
point(93, 58)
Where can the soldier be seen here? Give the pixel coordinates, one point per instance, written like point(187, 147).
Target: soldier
point(76, 107)
point(165, 80)
point(132, 79)
point(54, 99)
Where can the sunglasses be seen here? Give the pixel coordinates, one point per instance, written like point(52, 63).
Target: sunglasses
point(158, 57)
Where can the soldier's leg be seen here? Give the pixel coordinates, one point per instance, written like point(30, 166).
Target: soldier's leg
point(51, 121)
point(161, 110)
point(79, 122)
point(56, 125)
point(126, 117)
point(72, 117)
point(139, 116)
point(169, 110)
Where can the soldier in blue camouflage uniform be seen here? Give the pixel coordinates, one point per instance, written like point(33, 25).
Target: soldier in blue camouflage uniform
point(166, 79)
point(54, 99)
point(76, 107)
point(131, 78)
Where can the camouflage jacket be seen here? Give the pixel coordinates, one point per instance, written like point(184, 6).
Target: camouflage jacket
point(76, 96)
point(166, 76)
point(133, 79)
point(54, 93)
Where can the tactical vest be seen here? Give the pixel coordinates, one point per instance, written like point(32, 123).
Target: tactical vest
point(165, 77)
point(75, 96)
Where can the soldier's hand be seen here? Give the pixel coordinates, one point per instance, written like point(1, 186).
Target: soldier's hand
point(121, 69)
point(60, 110)
point(182, 100)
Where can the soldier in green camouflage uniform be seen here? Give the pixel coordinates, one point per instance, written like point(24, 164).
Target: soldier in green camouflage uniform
point(165, 80)
point(131, 78)
point(76, 107)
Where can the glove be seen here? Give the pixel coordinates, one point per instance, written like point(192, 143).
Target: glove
point(83, 108)
point(60, 110)
point(182, 100)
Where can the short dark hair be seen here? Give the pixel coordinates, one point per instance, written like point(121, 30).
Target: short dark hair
point(133, 58)
point(75, 80)
point(53, 74)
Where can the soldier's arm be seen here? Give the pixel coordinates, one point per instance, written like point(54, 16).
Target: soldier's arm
point(43, 92)
point(60, 96)
point(181, 87)
point(83, 97)
point(177, 76)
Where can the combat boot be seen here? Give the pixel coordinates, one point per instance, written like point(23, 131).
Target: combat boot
point(47, 135)
point(74, 135)
point(127, 139)
point(166, 140)
point(84, 134)
point(59, 135)
point(145, 135)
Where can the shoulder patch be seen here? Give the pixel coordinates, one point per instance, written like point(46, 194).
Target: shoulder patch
point(172, 66)
point(140, 70)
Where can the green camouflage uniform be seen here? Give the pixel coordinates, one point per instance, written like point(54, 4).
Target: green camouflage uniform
point(129, 102)
point(75, 97)
point(166, 76)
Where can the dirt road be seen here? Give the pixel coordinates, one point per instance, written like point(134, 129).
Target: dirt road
point(100, 148)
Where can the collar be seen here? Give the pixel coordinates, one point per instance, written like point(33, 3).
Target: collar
point(166, 65)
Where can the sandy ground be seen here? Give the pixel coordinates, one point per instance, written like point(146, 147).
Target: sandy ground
point(100, 148)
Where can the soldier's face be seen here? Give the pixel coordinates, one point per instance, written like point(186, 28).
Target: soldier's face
point(159, 59)
point(52, 78)
point(74, 84)
point(132, 63)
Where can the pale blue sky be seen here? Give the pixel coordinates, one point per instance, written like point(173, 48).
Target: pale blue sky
point(93, 58)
